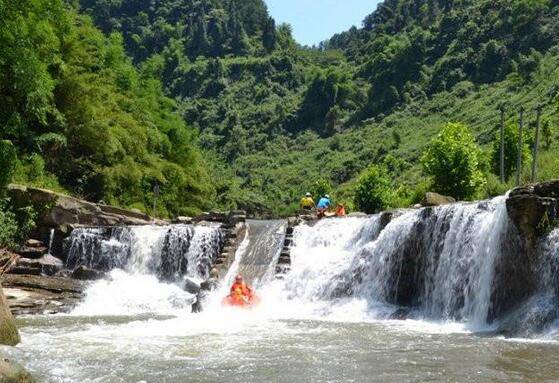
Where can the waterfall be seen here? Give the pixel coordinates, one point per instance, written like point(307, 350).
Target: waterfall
point(168, 251)
point(439, 261)
point(146, 265)
point(257, 257)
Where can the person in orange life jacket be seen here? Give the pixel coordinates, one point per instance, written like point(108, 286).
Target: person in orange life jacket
point(240, 290)
point(340, 210)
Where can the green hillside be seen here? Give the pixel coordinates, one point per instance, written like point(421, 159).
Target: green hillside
point(274, 119)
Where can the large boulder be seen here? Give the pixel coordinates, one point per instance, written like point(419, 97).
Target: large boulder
point(12, 372)
point(59, 210)
point(9, 334)
point(435, 199)
point(534, 209)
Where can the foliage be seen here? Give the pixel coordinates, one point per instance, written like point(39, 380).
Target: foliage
point(453, 161)
point(320, 188)
point(373, 190)
point(108, 115)
point(83, 117)
point(15, 224)
point(7, 164)
point(511, 151)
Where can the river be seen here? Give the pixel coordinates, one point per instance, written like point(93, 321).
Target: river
point(328, 320)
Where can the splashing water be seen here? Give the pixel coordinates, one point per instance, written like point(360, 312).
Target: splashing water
point(146, 264)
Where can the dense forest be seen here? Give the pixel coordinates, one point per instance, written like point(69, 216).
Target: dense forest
point(221, 107)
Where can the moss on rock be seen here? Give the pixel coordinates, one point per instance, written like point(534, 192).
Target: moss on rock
point(9, 334)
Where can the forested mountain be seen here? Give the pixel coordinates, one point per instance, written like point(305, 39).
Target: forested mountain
point(273, 119)
point(84, 119)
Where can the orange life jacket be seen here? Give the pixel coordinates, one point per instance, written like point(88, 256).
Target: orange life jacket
point(244, 289)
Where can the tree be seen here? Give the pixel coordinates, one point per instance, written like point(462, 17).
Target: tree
point(511, 151)
point(547, 133)
point(453, 161)
point(373, 191)
point(269, 35)
point(7, 164)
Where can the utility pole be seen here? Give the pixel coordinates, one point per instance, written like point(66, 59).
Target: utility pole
point(519, 157)
point(502, 158)
point(536, 144)
point(156, 192)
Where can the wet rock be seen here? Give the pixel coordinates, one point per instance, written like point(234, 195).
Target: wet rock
point(29, 294)
point(12, 372)
point(83, 273)
point(533, 317)
point(9, 334)
point(532, 215)
point(191, 287)
point(32, 252)
point(385, 219)
point(47, 265)
point(34, 243)
point(435, 199)
point(400, 314)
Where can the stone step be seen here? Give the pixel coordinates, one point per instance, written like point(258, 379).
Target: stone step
point(34, 243)
point(32, 252)
point(284, 260)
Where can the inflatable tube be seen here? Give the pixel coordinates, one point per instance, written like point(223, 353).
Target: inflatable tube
point(237, 301)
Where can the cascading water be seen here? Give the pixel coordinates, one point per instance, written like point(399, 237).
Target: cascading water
point(146, 264)
point(347, 276)
point(257, 258)
point(169, 251)
point(440, 261)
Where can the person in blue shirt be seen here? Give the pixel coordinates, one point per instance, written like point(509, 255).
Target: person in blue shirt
point(323, 205)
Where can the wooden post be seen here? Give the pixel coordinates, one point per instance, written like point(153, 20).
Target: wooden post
point(536, 144)
point(520, 145)
point(502, 157)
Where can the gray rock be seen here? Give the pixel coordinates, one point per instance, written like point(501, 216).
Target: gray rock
point(47, 265)
point(191, 287)
point(435, 199)
point(83, 273)
point(12, 372)
point(34, 243)
point(9, 334)
point(32, 252)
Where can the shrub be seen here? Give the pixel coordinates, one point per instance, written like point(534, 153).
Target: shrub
point(511, 151)
point(373, 191)
point(7, 164)
point(453, 161)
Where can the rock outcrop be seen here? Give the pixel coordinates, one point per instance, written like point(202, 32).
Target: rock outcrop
point(35, 294)
point(9, 334)
point(61, 212)
point(534, 209)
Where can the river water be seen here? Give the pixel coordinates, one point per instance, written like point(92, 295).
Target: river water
point(326, 321)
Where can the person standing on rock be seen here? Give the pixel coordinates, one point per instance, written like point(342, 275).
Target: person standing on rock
point(307, 203)
point(209, 285)
point(323, 205)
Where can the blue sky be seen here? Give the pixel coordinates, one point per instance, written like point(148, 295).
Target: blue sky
point(314, 21)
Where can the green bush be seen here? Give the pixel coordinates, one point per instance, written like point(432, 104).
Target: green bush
point(453, 161)
point(373, 191)
point(15, 224)
point(7, 164)
point(319, 188)
point(511, 151)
